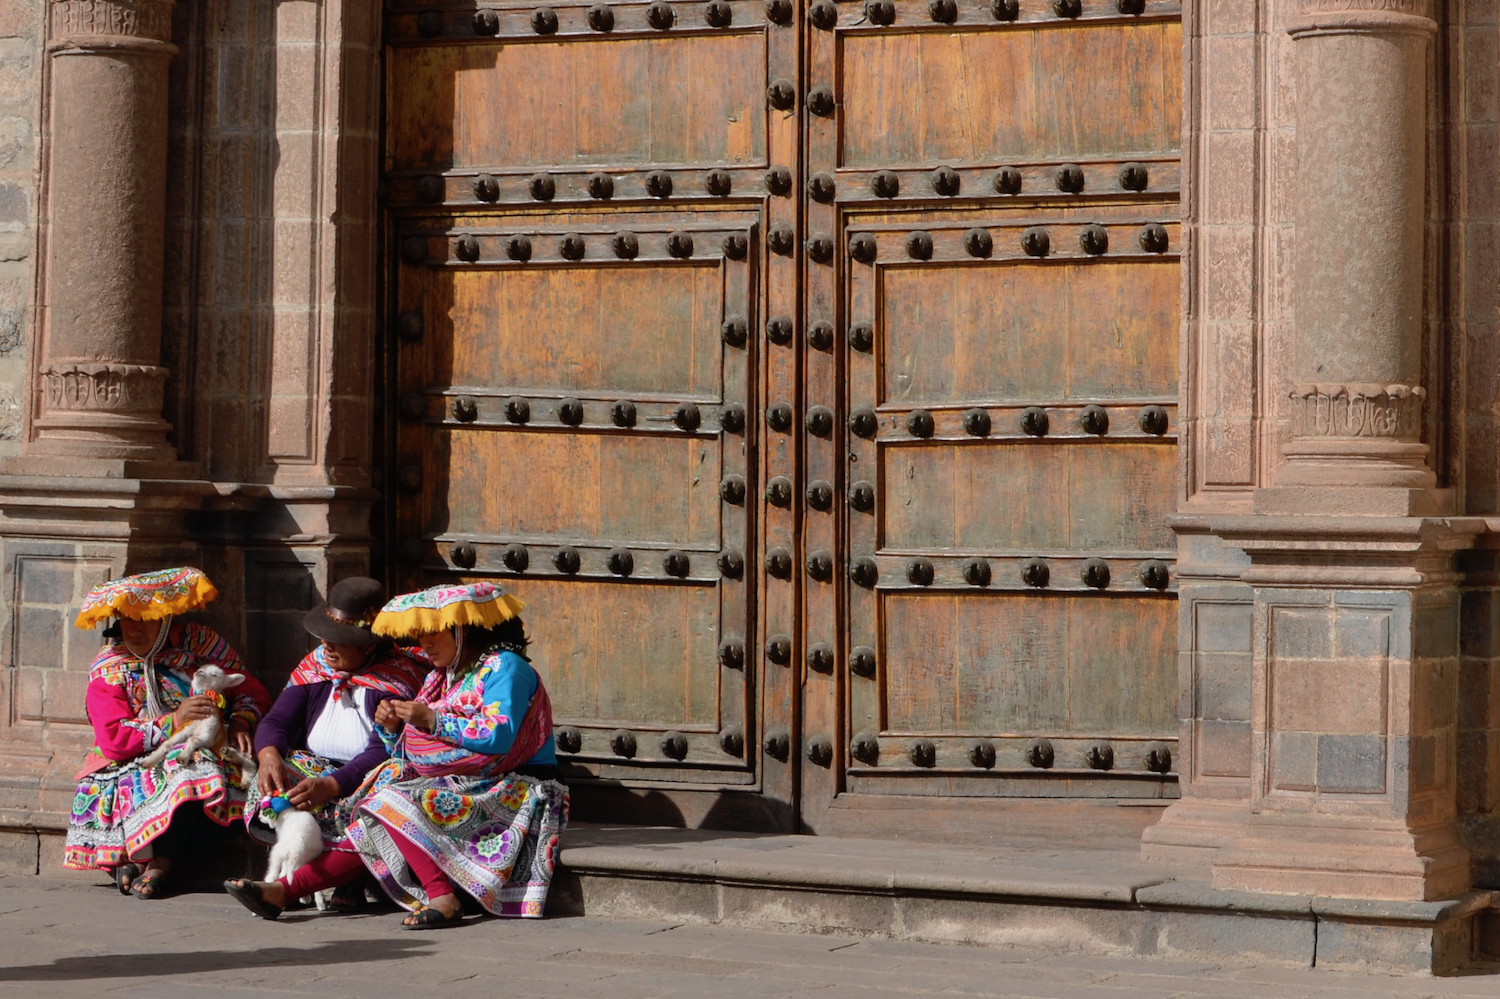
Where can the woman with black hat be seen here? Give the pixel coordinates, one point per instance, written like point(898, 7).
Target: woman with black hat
point(318, 741)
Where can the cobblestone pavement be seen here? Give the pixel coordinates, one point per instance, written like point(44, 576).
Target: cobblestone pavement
point(73, 937)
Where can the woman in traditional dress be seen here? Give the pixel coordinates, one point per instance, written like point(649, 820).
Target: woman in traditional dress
point(318, 741)
point(469, 800)
point(139, 694)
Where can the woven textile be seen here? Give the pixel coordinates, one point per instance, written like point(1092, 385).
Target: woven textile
point(300, 765)
point(118, 811)
point(439, 608)
point(395, 673)
point(147, 596)
point(496, 839)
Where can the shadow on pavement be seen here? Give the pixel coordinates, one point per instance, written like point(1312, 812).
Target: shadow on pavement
point(161, 965)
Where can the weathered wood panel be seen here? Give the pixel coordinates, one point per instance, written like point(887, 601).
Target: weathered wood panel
point(626, 653)
point(1017, 664)
point(640, 329)
point(1022, 93)
point(614, 487)
point(1022, 331)
point(986, 497)
point(693, 99)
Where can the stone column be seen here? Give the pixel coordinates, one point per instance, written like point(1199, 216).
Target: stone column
point(1354, 633)
point(1360, 212)
point(98, 392)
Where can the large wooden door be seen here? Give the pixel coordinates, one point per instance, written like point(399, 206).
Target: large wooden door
point(811, 373)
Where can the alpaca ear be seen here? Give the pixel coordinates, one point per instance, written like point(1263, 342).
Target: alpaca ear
point(233, 680)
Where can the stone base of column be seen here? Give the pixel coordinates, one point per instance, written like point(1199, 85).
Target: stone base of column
point(1356, 461)
point(101, 411)
point(1352, 501)
point(1343, 857)
point(1192, 831)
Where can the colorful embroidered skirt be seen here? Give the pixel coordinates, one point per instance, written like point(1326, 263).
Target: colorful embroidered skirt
point(118, 811)
point(495, 838)
point(299, 765)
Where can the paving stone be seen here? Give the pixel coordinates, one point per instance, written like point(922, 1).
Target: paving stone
point(64, 938)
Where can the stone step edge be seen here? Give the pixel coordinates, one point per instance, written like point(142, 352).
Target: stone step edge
point(1167, 893)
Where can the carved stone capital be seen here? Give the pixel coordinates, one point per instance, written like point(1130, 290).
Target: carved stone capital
point(84, 24)
point(112, 388)
point(1342, 17)
point(1390, 411)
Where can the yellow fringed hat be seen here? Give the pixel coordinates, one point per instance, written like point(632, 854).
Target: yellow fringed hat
point(147, 596)
point(439, 608)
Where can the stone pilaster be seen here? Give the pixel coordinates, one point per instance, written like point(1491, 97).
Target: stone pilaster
point(1360, 208)
point(1354, 658)
point(98, 384)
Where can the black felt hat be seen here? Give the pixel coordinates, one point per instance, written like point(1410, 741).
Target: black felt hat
point(344, 618)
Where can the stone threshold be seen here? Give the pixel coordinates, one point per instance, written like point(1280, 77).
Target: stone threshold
point(1099, 901)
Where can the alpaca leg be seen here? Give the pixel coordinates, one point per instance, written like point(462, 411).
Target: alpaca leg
point(160, 752)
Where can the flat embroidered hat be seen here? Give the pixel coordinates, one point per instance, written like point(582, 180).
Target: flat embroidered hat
point(148, 596)
point(439, 608)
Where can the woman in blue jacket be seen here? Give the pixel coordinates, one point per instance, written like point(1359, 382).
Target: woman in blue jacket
point(469, 800)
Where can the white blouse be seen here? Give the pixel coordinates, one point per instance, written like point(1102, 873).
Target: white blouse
point(343, 728)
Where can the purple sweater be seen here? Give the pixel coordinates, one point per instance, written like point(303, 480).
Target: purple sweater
point(295, 713)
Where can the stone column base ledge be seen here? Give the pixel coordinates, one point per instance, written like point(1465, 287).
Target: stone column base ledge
point(1192, 831)
point(1344, 857)
point(1354, 501)
point(1358, 462)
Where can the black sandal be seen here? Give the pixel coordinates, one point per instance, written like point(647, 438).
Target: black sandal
point(433, 919)
point(348, 898)
point(148, 885)
point(248, 894)
point(124, 875)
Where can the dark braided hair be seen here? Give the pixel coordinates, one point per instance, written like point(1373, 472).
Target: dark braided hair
point(509, 636)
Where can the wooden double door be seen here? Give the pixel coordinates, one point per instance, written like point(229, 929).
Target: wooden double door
point(811, 373)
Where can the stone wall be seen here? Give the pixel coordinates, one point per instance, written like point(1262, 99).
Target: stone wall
point(20, 74)
point(267, 340)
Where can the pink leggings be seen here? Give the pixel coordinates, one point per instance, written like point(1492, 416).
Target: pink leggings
point(333, 868)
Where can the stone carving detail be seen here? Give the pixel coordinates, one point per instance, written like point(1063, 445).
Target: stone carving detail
point(1421, 8)
point(1393, 411)
point(119, 388)
point(131, 18)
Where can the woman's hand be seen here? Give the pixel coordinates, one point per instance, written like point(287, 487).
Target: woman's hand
point(312, 792)
point(386, 717)
point(272, 776)
point(239, 736)
point(192, 709)
point(414, 713)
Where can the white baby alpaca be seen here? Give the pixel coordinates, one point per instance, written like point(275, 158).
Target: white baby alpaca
point(205, 733)
point(298, 840)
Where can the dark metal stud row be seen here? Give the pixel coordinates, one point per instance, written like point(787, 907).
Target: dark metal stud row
point(882, 13)
point(586, 560)
point(467, 189)
point(601, 18)
point(674, 746)
point(1032, 421)
point(589, 414)
point(921, 571)
point(517, 248)
point(1038, 754)
point(1093, 240)
point(1069, 178)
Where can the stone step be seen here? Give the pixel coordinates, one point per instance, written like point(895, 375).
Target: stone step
point(1099, 901)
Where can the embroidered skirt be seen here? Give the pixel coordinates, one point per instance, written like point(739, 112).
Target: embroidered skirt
point(494, 837)
point(119, 810)
point(300, 765)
